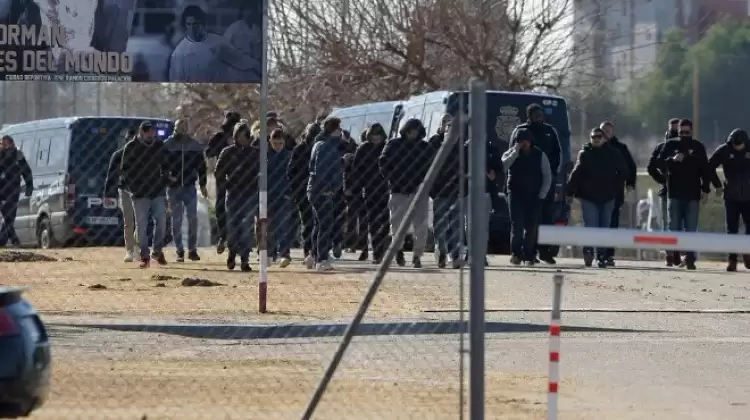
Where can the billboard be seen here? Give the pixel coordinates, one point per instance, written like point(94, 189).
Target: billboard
point(193, 41)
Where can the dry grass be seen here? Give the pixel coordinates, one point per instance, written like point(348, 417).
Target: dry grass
point(65, 287)
point(268, 389)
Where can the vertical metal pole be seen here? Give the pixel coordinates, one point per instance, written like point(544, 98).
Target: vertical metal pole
point(478, 221)
point(554, 348)
point(263, 175)
point(462, 169)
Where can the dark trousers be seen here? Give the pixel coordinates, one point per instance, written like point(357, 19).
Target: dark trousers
point(339, 203)
point(8, 209)
point(307, 222)
point(241, 211)
point(356, 223)
point(378, 224)
point(683, 217)
point(221, 214)
point(614, 223)
point(524, 221)
point(324, 206)
point(546, 216)
point(733, 212)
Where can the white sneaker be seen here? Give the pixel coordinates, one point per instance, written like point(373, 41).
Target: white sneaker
point(129, 257)
point(284, 262)
point(324, 266)
point(309, 262)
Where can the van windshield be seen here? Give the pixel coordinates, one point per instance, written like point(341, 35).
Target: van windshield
point(94, 140)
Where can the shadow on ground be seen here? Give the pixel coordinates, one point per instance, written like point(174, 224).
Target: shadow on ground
point(261, 332)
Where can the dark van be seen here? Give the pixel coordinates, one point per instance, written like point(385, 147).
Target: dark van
point(69, 159)
point(505, 111)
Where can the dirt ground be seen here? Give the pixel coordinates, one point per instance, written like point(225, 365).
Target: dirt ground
point(267, 389)
point(95, 281)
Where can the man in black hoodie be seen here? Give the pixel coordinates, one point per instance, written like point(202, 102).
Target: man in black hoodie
point(447, 196)
point(145, 173)
point(237, 169)
point(734, 157)
point(113, 187)
point(353, 212)
point(13, 169)
point(365, 179)
point(628, 182)
point(404, 163)
point(216, 144)
point(684, 163)
point(655, 171)
point(297, 173)
point(547, 140)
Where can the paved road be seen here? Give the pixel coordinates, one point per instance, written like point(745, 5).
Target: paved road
point(672, 366)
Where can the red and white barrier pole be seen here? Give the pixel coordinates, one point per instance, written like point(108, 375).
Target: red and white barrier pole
point(554, 349)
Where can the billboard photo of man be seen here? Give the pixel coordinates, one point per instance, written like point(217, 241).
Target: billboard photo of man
point(202, 56)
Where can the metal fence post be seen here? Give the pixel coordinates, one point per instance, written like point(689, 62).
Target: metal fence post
point(478, 221)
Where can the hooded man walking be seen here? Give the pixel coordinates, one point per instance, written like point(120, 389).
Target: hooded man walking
point(187, 166)
point(216, 144)
point(280, 206)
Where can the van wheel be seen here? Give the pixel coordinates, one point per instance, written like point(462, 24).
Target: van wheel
point(44, 237)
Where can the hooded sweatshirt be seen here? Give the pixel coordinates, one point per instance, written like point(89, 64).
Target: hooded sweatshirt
point(736, 166)
point(598, 174)
point(365, 174)
point(404, 163)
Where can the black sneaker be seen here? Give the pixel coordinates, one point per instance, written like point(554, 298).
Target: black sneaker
point(193, 256)
point(159, 258)
point(400, 260)
point(746, 260)
point(441, 262)
point(221, 246)
point(602, 264)
point(376, 261)
point(180, 257)
point(610, 262)
point(732, 266)
point(690, 265)
point(231, 262)
point(548, 260)
point(515, 260)
point(416, 262)
point(670, 261)
point(530, 263)
point(364, 255)
point(245, 267)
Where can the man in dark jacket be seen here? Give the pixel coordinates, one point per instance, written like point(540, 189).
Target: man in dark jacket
point(596, 180)
point(145, 173)
point(354, 209)
point(325, 181)
point(404, 163)
point(113, 187)
point(547, 140)
point(447, 197)
point(216, 144)
point(187, 166)
point(237, 170)
point(734, 157)
point(280, 205)
point(628, 182)
point(369, 183)
point(13, 169)
point(684, 162)
point(297, 173)
point(529, 180)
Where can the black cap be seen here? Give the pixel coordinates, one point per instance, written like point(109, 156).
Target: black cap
point(146, 126)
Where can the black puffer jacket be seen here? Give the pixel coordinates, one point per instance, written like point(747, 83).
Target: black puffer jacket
point(598, 173)
point(736, 166)
point(298, 170)
point(145, 168)
point(687, 179)
point(13, 168)
point(365, 174)
point(404, 163)
point(447, 183)
point(238, 168)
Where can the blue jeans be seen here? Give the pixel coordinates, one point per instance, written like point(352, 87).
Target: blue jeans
point(145, 208)
point(184, 200)
point(446, 224)
point(524, 219)
point(240, 211)
point(597, 215)
point(324, 207)
point(282, 226)
point(683, 217)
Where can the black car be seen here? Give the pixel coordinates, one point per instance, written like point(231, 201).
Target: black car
point(24, 356)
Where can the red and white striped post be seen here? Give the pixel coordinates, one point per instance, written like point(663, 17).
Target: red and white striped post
point(554, 348)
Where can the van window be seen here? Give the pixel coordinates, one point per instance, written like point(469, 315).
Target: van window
point(42, 151)
point(26, 143)
point(356, 125)
point(58, 152)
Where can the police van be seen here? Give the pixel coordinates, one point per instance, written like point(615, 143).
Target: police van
point(69, 158)
point(358, 117)
point(505, 111)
